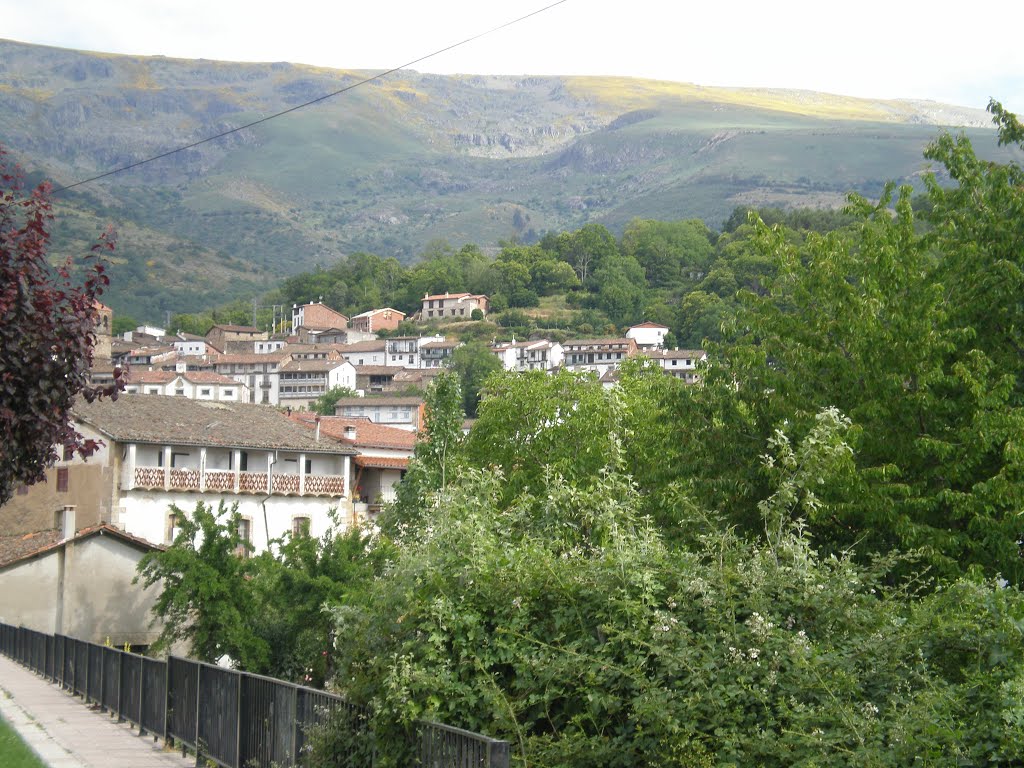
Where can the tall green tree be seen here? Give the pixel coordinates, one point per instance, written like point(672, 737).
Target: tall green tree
point(474, 363)
point(206, 598)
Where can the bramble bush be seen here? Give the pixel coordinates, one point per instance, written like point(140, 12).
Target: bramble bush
point(561, 621)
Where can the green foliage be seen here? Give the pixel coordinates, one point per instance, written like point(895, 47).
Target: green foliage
point(206, 597)
point(438, 456)
point(324, 405)
point(14, 753)
point(559, 619)
point(474, 363)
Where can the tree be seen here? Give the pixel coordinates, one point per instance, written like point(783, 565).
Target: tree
point(324, 405)
point(206, 596)
point(474, 363)
point(47, 321)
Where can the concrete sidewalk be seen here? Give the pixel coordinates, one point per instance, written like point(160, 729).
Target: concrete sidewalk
point(66, 733)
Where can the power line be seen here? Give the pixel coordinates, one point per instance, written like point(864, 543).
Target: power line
point(317, 100)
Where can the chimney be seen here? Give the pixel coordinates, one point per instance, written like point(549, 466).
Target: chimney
point(67, 521)
point(317, 420)
point(350, 432)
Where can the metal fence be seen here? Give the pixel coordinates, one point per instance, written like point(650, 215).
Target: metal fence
point(234, 719)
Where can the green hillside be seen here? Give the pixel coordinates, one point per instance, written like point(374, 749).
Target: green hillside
point(392, 165)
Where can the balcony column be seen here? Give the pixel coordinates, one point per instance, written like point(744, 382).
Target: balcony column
point(167, 467)
point(130, 467)
point(302, 474)
point(236, 462)
point(270, 473)
point(202, 470)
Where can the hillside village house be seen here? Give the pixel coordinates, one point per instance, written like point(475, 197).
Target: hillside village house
point(221, 336)
point(597, 355)
point(365, 352)
point(382, 458)
point(436, 354)
point(680, 363)
point(452, 305)
point(195, 385)
point(188, 344)
point(259, 373)
point(386, 319)
point(537, 355)
point(304, 380)
point(318, 316)
point(78, 582)
point(160, 451)
point(400, 412)
point(648, 335)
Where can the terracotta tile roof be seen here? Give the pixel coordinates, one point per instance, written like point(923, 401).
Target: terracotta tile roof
point(138, 376)
point(374, 345)
point(303, 366)
point(649, 324)
point(440, 345)
point(382, 462)
point(208, 377)
point(237, 329)
point(14, 549)
point(372, 400)
point(624, 342)
point(371, 312)
point(274, 358)
point(368, 434)
point(677, 354)
point(182, 421)
point(377, 370)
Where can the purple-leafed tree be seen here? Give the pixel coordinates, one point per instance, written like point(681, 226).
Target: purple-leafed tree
point(47, 322)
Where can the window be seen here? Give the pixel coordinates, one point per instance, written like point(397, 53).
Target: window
point(172, 527)
point(243, 461)
point(205, 392)
point(62, 480)
point(300, 526)
point(152, 390)
point(244, 537)
point(179, 392)
point(68, 453)
point(229, 393)
point(309, 466)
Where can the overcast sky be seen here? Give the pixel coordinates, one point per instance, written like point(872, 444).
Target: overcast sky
point(961, 53)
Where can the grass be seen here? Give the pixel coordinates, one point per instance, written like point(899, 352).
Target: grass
point(13, 751)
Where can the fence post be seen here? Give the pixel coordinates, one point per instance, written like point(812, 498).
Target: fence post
point(497, 756)
point(199, 700)
point(295, 726)
point(103, 675)
point(120, 680)
point(238, 719)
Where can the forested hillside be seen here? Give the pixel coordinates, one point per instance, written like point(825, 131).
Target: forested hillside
point(389, 167)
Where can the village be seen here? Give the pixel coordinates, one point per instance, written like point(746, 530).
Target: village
point(226, 418)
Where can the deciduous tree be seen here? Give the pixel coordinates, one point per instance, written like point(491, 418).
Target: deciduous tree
point(47, 321)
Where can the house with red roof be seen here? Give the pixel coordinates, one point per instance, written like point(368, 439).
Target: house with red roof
point(452, 306)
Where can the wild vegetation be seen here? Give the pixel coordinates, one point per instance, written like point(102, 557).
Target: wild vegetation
point(810, 558)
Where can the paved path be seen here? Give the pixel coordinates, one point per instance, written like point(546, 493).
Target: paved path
point(66, 733)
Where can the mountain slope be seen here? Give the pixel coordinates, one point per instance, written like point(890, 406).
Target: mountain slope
point(395, 163)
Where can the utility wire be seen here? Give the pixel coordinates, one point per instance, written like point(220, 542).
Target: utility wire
point(317, 100)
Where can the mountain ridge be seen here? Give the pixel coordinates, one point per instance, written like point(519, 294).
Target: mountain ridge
point(391, 165)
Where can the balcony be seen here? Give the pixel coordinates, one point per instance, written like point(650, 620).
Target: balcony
point(219, 481)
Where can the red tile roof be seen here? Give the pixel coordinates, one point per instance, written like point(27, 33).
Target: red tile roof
point(368, 434)
point(382, 462)
point(14, 549)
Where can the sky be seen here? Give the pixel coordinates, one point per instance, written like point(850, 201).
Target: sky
point(960, 53)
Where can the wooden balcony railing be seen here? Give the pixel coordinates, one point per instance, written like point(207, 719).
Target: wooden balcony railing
point(220, 481)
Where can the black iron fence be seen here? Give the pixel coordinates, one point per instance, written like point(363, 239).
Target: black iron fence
point(235, 719)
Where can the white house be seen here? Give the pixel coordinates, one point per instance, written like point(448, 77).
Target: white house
point(537, 355)
point(304, 380)
point(681, 363)
point(452, 306)
point(597, 355)
point(382, 456)
point(195, 385)
point(648, 335)
point(365, 352)
point(78, 582)
point(159, 451)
